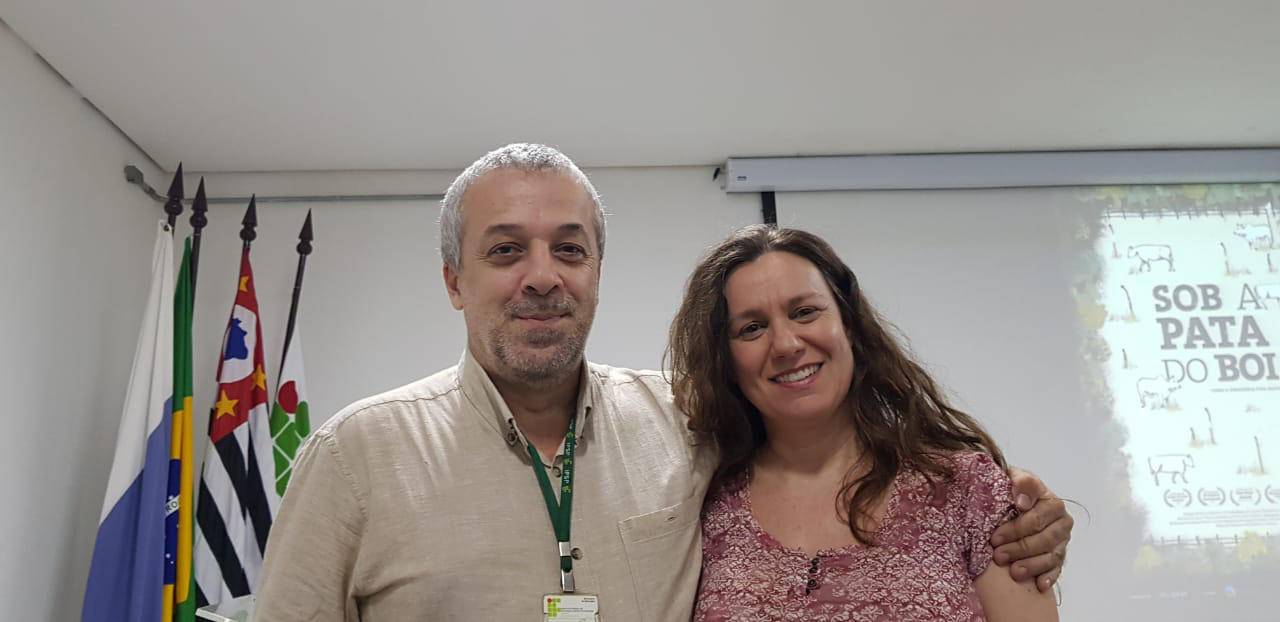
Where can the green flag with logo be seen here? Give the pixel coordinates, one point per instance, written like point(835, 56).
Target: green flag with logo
point(290, 419)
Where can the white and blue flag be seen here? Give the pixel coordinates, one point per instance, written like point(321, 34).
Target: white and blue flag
point(126, 577)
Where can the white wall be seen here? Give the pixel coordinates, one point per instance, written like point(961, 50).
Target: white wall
point(75, 242)
point(374, 313)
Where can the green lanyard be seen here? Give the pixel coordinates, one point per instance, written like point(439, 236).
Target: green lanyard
point(560, 512)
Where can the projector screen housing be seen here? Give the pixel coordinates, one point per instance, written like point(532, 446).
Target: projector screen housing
point(1000, 170)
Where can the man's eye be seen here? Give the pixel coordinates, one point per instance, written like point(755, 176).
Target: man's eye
point(504, 249)
point(572, 249)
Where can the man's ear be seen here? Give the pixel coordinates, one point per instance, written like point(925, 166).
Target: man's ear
point(451, 286)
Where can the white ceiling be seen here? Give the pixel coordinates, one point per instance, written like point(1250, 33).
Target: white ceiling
point(411, 84)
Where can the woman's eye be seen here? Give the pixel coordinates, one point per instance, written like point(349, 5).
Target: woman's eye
point(749, 330)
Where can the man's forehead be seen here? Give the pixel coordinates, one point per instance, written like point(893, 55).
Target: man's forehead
point(508, 181)
point(507, 200)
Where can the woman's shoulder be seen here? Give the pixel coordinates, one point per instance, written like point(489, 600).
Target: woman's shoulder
point(978, 487)
point(728, 489)
point(725, 500)
point(967, 476)
point(973, 462)
point(966, 465)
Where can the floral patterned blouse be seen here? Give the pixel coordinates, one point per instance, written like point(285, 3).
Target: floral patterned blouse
point(933, 543)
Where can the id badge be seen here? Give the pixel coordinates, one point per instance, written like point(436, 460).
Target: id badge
point(570, 608)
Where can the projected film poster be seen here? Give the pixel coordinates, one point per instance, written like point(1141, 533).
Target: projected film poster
point(1188, 307)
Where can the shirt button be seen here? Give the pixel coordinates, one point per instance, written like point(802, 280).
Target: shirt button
point(576, 553)
point(813, 583)
point(555, 471)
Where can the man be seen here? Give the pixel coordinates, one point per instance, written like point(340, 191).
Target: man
point(431, 501)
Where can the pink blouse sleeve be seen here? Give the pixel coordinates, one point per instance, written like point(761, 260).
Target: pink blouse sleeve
point(981, 499)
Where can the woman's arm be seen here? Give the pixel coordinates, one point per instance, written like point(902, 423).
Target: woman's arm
point(1006, 600)
point(1036, 540)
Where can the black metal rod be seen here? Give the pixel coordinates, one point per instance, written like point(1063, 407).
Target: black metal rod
point(769, 208)
point(293, 311)
point(198, 221)
point(304, 249)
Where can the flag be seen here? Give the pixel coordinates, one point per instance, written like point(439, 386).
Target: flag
point(236, 500)
point(179, 595)
point(290, 417)
point(127, 572)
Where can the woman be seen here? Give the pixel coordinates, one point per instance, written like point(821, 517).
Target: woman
point(848, 487)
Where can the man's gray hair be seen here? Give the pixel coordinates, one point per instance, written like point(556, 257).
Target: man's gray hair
point(527, 157)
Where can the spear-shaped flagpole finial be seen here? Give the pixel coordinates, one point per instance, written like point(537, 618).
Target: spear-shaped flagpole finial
point(304, 236)
point(173, 205)
point(248, 232)
point(199, 207)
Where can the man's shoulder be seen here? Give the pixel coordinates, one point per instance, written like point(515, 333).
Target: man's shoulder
point(637, 394)
point(624, 381)
point(640, 400)
point(423, 393)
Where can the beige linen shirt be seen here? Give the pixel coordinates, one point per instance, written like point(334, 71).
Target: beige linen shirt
point(421, 504)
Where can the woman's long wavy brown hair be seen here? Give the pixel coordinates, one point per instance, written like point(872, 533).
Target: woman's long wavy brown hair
point(898, 411)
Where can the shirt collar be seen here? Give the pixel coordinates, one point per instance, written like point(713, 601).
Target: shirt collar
point(483, 394)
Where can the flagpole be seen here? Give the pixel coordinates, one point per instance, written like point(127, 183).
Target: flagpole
point(249, 222)
point(173, 205)
point(304, 249)
point(199, 207)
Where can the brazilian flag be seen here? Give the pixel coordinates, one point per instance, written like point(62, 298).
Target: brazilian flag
point(179, 583)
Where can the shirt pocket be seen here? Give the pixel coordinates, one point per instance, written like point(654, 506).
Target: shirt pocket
point(664, 552)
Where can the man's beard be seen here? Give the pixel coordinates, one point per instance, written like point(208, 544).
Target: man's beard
point(559, 350)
